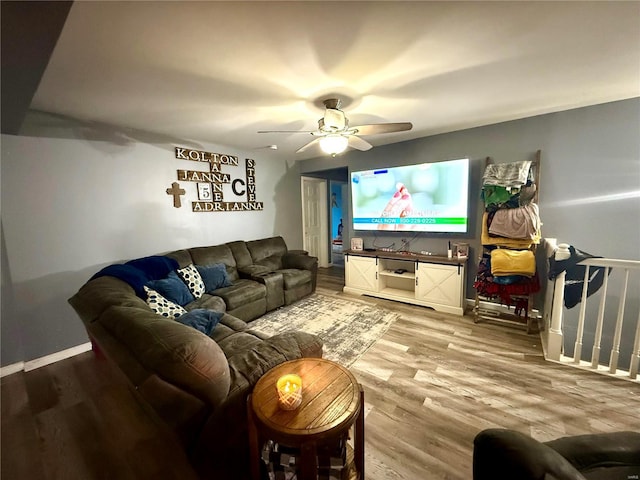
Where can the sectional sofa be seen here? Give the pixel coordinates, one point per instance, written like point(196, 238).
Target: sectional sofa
point(178, 326)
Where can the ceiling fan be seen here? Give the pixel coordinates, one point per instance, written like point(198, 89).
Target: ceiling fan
point(335, 135)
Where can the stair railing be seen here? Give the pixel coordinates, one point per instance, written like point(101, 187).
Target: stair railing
point(553, 338)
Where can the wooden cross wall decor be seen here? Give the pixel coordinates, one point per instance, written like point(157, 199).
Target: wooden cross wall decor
point(176, 191)
point(210, 183)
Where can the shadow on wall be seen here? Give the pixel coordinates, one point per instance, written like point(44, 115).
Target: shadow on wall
point(51, 125)
point(11, 348)
point(42, 322)
point(288, 204)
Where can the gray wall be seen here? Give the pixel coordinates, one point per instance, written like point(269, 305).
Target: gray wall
point(75, 198)
point(589, 193)
point(590, 175)
point(78, 197)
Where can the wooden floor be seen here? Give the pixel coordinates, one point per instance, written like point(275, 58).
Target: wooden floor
point(432, 382)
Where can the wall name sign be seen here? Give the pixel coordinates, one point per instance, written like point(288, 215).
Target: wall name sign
point(211, 183)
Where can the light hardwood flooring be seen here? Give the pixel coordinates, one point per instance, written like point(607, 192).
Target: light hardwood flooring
point(432, 382)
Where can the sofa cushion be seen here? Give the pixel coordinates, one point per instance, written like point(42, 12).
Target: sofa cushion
point(238, 342)
point(162, 306)
point(253, 271)
point(95, 296)
point(213, 255)
point(294, 278)
point(192, 278)
point(201, 319)
point(210, 302)
point(266, 247)
point(240, 253)
point(242, 292)
point(176, 353)
point(172, 288)
point(228, 326)
point(183, 257)
point(214, 276)
point(272, 262)
point(247, 365)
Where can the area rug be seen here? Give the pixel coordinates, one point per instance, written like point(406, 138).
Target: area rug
point(348, 327)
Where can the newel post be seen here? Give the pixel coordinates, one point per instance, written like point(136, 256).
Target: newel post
point(554, 346)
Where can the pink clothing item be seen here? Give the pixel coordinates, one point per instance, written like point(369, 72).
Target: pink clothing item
point(521, 223)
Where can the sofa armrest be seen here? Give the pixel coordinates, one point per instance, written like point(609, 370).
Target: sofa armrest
point(501, 453)
point(600, 450)
point(175, 352)
point(300, 261)
point(248, 366)
point(251, 271)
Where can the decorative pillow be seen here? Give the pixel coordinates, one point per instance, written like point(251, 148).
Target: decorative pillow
point(162, 306)
point(193, 280)
point(214, 276)
point(173, 289)
point(201, 319)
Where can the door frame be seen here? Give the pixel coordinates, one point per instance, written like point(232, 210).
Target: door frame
point(323, 254)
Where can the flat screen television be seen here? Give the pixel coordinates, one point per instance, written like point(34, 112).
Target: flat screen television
point(429, 197)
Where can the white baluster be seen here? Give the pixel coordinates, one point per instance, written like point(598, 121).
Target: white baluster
point(615, 349)
point(595, 355)
point(635, 354)
point(577, 352)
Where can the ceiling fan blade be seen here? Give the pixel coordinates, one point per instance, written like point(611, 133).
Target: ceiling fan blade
point(308, 145)
point(359, 143)
point(375, 128)
point(287, 131)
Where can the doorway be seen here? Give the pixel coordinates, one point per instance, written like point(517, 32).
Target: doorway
point(337, 219)
point(315, 230)
point(320, 215)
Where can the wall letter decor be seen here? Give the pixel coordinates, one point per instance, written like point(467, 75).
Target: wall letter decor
point(210, 183)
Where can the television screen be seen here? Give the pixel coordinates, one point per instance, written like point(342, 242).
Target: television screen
point(429, 197)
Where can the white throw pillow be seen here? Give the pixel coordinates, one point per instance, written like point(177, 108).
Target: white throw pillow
point(192, 278)
point(162, 306)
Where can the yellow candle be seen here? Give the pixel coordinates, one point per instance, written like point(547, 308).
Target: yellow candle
point(289, 389)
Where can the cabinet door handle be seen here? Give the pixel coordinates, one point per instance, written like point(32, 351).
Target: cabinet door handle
point(416, 281)
point(376, 275)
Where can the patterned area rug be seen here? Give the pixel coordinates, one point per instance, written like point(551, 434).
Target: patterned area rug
point(348, 327)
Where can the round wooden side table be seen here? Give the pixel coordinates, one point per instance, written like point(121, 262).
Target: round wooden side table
point(332, 402)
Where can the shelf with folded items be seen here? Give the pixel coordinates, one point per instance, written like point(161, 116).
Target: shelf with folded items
point(511, 230)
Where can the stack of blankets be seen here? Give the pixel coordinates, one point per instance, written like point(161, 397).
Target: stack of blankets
point(510, 228)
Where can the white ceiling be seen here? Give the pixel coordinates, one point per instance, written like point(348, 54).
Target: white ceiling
point(220, 71)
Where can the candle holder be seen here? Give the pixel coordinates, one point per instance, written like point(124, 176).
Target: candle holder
point(289, 389)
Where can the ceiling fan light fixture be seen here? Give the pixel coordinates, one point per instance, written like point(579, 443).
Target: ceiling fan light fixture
point(334, 144)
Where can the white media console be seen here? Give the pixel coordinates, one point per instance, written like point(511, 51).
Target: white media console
point(428, 280)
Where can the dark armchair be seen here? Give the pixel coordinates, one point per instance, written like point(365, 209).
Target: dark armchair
point(501, 454)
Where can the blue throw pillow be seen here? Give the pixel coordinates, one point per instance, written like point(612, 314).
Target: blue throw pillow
point(201, 319)
point(173, 289)
point(214, 276)
point(127, 273)
point(156, 266)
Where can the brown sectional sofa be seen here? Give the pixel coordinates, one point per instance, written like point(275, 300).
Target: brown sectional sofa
point(198, 384)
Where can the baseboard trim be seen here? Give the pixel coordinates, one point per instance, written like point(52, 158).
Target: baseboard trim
point(10, 369)
point(46, 360)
